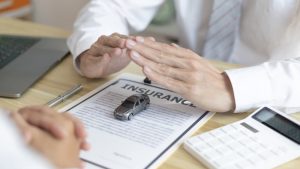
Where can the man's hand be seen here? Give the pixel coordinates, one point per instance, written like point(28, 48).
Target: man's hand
point(106, 56)
point(44, 118)
point(63, 153)
point(183, 71)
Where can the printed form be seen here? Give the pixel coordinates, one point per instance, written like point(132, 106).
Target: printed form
point(142, 142)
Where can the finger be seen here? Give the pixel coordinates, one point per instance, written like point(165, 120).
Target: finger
point(162, 69)
point(139, 38)
point(85, 146)
point(37, 108)
point(120, 35)
point(22, 125)
point(168, 71)
point(170, 83)
point(78, 164)
point(100, 50)
point(44, 120)
point(82, 165)
point(171, 49)
point(143, 60)
point(112, 41)
point(176, 45)
point(128, 37)
point(204, 61)
point(46, 123)
point(79, 131)
point(138, 59)
point(79, 127)
point(157, 56)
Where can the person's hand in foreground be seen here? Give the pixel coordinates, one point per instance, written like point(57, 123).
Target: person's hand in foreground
point(42, 117)
point(62, 151)
point(184, 72)
point(106, 56)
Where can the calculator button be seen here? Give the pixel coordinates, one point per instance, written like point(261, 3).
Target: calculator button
point(264, 145)
point(256, 148)
point(206, 137)
point(237, 135)
point(212, 154)
point(246, 141)
point(245, 152)
point(223, 149)
point(236, 126)
point(193, 141)
point(236, 146)
point(202, 147)
point(228, 159)
point(214, 143)
point(248, 127)
point(282, 149)
point(201, 150)
point(266, 155)
point(226, 139)
point(254, 138)
point(275, 151)
point(244, 132)
point(256, 160)
point(215, 164)
point(228, 129)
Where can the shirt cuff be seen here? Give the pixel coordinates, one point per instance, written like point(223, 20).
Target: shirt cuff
point(251, 87)
point(78, 47)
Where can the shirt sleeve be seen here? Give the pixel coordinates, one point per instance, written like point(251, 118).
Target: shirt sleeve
point(275, 83)
point(106, 17)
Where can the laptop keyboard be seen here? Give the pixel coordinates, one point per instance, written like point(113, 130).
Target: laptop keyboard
point(12, 47)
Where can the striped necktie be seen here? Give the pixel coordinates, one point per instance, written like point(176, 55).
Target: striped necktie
point(223, 23)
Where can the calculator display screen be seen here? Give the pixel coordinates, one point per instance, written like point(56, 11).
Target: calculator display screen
point(279, 123)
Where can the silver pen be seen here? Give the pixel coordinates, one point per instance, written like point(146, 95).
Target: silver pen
point(62, 97)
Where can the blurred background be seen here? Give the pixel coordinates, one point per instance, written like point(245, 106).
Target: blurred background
point(62, 14)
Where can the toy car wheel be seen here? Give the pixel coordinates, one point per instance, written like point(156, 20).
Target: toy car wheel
point(147, 106)
point(130, 117)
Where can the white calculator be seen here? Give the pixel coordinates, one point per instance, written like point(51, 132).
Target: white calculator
point(265, 139)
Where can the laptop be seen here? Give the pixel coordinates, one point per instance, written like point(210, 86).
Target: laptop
point(23, 60)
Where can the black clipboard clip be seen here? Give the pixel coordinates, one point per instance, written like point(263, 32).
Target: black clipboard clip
point(147, 80)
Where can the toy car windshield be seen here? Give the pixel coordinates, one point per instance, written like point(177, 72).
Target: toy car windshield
point(128, 103)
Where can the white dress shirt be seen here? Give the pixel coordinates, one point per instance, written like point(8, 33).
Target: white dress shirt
point(267, 41)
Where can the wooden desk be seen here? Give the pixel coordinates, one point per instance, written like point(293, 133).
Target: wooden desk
point(63, 76)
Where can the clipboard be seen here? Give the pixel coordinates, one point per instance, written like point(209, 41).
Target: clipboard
point(148, 139)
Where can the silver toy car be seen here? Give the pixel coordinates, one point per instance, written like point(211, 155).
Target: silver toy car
point(131, 106)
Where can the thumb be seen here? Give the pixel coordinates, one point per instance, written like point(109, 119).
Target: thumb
point(22, 125)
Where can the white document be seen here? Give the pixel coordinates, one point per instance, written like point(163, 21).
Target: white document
point(142, 142)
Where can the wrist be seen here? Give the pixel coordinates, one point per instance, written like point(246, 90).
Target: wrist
point(229, 101)
point(79, 58)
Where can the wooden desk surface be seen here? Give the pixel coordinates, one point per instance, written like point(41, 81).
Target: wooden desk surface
point(63, 76)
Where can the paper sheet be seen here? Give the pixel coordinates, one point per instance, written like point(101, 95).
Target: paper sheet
point(144, 141)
